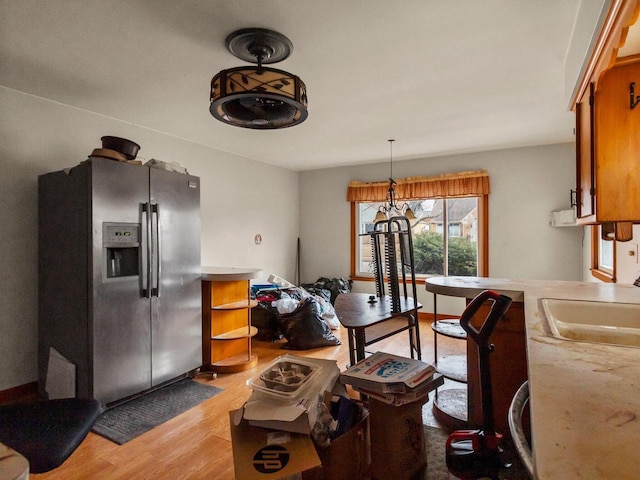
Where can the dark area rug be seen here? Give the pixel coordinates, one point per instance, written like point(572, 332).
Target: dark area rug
point(135, 417)
point(435, 439)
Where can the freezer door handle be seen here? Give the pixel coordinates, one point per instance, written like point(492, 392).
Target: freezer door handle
point(146, 250)
point(155, 227)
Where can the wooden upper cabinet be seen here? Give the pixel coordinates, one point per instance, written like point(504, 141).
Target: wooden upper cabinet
point(617, 145)
point(608, 148)
point(584, 155)
point(608, 129)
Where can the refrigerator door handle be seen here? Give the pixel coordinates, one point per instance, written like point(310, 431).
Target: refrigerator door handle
point(146, 250)
point(155, 291)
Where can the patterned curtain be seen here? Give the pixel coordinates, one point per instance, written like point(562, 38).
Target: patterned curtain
point(462, 184)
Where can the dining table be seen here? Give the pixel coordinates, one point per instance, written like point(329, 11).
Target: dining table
point(370, 319)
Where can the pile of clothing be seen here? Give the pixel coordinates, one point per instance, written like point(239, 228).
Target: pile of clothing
point(304, 316)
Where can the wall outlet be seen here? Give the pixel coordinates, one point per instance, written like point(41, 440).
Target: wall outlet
point(632, 251)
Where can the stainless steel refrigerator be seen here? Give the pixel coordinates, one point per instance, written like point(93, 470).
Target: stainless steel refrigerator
point(119, 293)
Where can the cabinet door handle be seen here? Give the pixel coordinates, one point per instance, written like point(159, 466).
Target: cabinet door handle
point(633, 100)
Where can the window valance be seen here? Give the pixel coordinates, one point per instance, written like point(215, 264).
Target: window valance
point(461, 184)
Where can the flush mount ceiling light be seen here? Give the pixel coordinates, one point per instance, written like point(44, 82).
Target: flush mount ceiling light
point(255, 96)
point(392, 207)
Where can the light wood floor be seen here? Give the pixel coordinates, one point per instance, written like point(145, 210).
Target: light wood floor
point(197, 443)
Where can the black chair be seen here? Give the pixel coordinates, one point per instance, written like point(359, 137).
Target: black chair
point(47, 432)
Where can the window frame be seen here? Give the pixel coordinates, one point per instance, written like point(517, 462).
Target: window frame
point(598, 271)
point(483, 241)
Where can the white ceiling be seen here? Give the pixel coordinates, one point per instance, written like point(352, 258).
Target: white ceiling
point(441, 77)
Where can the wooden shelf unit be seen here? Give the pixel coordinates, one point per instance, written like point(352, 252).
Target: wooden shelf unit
point(450, 406)
point(226, 320)
point(461, 408)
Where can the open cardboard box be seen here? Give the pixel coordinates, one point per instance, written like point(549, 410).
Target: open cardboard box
point(260, 453)
point(348, 457)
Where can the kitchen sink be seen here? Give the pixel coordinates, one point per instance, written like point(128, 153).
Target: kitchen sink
point(596, 322)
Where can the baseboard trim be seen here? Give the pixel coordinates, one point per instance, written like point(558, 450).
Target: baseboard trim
point(28, 391)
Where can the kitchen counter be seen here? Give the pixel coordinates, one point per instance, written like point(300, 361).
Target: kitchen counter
point(584, 397)
point(13, 466)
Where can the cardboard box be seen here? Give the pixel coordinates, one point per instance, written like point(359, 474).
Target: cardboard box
point(348, 457)
point(260, 453)
point(419, 394)
point(387, 373)
point(397, 440)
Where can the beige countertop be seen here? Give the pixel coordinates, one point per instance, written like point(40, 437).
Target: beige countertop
point(584, 397)
point(227, 274)
point(13, 466)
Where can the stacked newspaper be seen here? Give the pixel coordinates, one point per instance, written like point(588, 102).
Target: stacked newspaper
point(392, 379)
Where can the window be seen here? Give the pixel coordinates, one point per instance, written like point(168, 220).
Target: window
point(450, 230)
point(461, 251)
point(603, 253)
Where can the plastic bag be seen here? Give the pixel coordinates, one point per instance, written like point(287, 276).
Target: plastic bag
point(285, 304)
point(265, 320)
point(335, 285)
point(305, 329)
point(327, 312)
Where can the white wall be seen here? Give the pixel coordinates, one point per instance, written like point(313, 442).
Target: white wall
point(526, 185)
point(241, 198)
point(589, 21)
point(627, 265)
point(238, 200)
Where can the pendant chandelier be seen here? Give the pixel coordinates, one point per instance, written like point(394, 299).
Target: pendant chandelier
point(392, 208)
point(258, 97)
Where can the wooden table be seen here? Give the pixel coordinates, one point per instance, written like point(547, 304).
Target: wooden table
point(369, 322)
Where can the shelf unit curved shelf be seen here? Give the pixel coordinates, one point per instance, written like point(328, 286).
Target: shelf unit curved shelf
point(453, 367)
point(226, 320)
point(239, 305)
point(242, 332)
point(450, 405)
